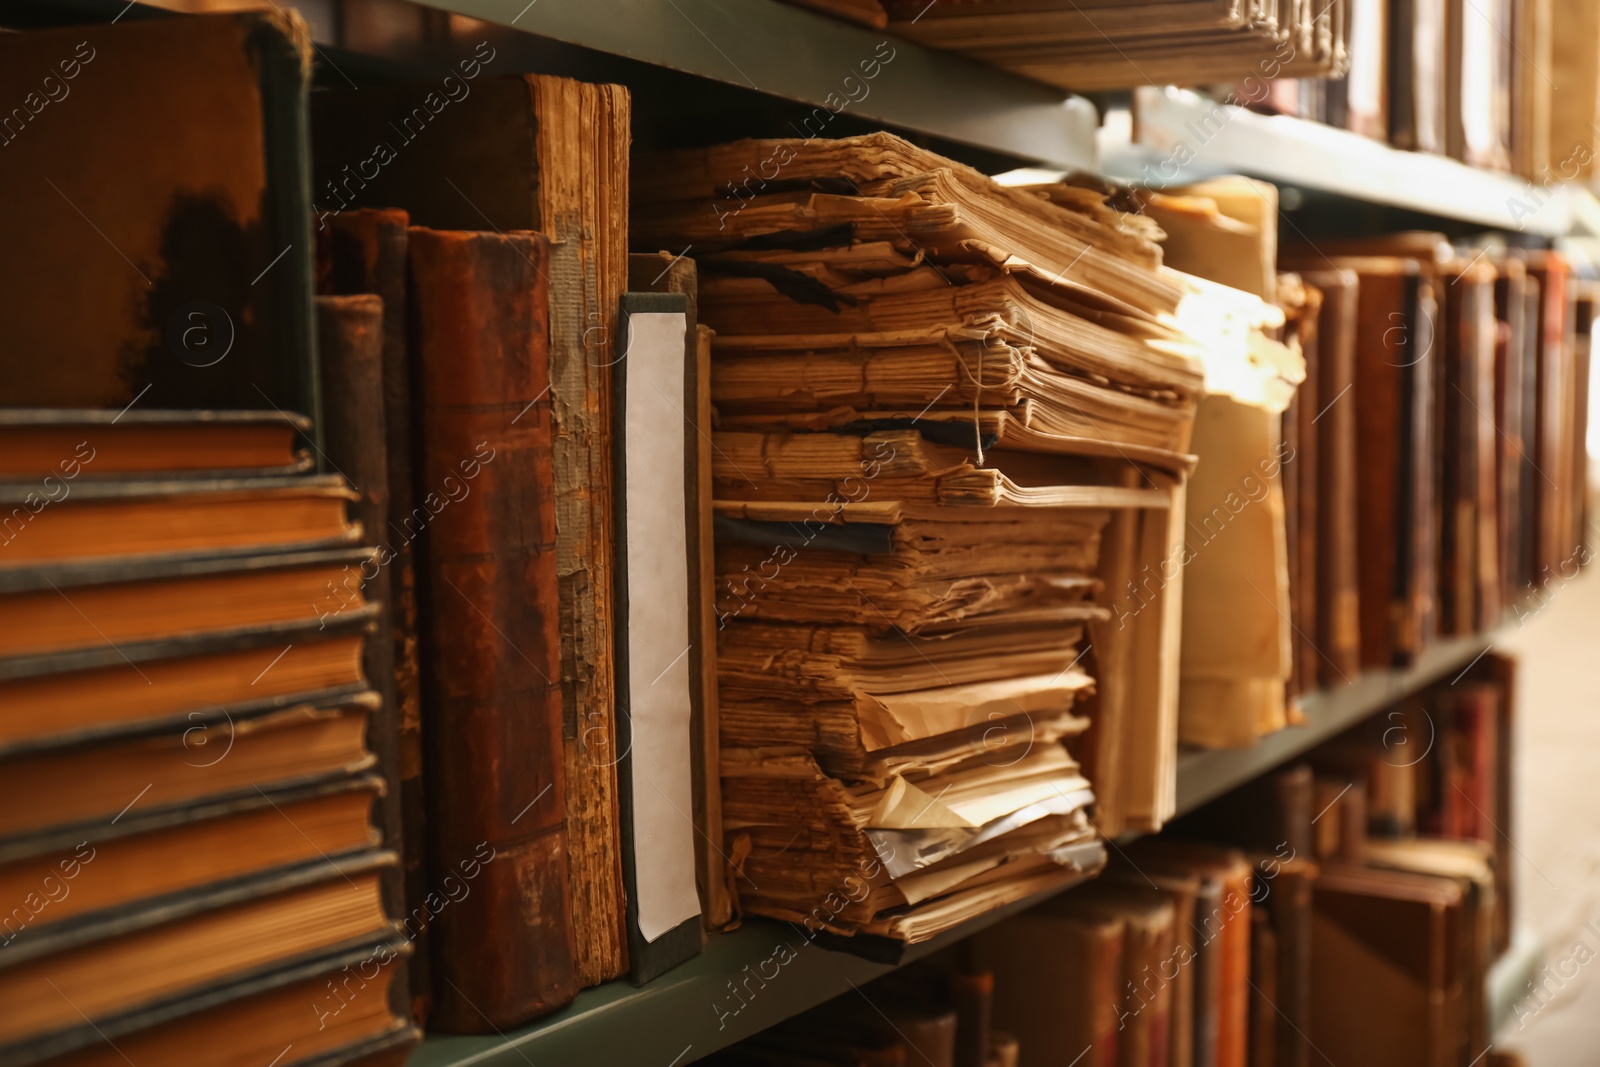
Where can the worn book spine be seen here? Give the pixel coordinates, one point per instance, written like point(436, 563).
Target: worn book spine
point(364, 251)
point(350, 366)
point(1338, 630)
point(582, 137)
point(1382, 457)
point(492, 714)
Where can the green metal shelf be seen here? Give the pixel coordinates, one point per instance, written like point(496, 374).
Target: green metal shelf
point(688, 1012)
point(1203, 775)
point(692, 1011)
point(1178, 136)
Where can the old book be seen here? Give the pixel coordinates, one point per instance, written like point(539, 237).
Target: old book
point(137, 517)
point(552, 157)
point(1532, 95)
point(364, 251)
point(1286, 903)
point(1060, 1019)
point(1180, 969)
point(498, 782)
point(1301, 487)
point(291, 747)
point(62, 444)
point(1264, 991)
point(1340, 826)
point(1470, 865)
point(1145, 1013)
point(1223, 931)
point(152, 852)
point(193, 681)
point(1417, 75)
point(202, 267)
point(351, 336)
point(249, 1021)
point(1382, 999)
point(71, 610)
point(1338, 628)
point(1273, 813)
point(1395, 416)
point(56, 979)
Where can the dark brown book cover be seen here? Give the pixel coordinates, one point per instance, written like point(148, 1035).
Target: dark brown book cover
point(1510, 350)
point(1468, 555)
point(972, 995)
point(1286, 900)
point(1553, 383)
point(1273, 813)
point(186, 282)
point(1502, 670)
point(1263, 991)
point(1386, 968)
point(1305, 549)
point(1338, 631)
point(1417, 75)
point(550, 154)
point(354, 442)
point(364, 251)
point(496, 790)
point(1395, 458)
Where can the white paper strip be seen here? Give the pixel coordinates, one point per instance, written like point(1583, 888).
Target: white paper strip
point(658, 624)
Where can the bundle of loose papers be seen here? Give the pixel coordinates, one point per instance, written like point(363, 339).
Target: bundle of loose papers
point(1112, 44)
point(953, 423)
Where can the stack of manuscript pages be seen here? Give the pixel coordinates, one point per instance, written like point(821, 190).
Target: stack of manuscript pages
point(952, 424)
point(1118, 44)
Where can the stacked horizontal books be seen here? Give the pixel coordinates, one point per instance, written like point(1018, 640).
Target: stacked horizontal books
point(953, 420)
point(1107, 46)
point(189, 867)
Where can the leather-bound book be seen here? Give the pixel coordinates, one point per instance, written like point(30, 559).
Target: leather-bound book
point(1378, 998)
point(1273, 813)
point(550, 155)
point(1030, 955)
point(1338, 633)
point(1468, 557)
point(1554, 415)
point(1286, 902)
point(364, 251)
point(1394, 458)
point(1221, 927)
point(1417, 75)
point(1179, 969)
point(1511, 341)
point(492, 710)
point(351, 339)
point(1263, 990)
point(186, 283)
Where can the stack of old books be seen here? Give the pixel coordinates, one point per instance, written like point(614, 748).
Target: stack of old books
point(1106, 46)
point(189, 867)
point(953, 421)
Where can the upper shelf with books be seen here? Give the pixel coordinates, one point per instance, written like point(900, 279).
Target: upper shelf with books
point(768, 971)
point(700, 67)
point(1176, 137)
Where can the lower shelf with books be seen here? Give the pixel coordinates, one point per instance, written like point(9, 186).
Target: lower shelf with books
point(768, 971)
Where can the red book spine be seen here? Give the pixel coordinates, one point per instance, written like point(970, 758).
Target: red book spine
point(492, 710)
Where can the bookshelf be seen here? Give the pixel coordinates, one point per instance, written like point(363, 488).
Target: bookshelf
point(618, 1023)
point(736, 49)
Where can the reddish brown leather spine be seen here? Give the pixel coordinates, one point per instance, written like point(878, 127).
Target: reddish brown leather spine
point(492, 711)
point(364, 251)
